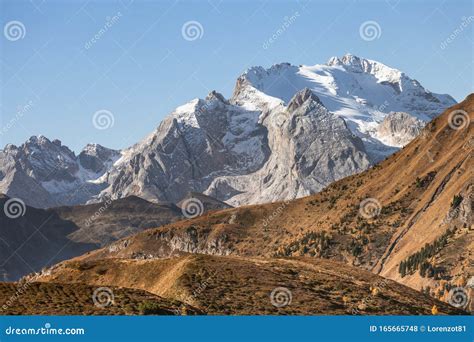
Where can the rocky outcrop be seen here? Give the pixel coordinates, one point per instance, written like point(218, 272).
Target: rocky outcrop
point(97, 158)
point(310, 149)
point(45, 173)
point(399, 128)
point(168, 243)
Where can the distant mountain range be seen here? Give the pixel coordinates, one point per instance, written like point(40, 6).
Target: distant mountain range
point(286, 132)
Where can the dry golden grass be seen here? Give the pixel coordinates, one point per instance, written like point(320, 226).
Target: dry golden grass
point(77, 299)
point(236, 285)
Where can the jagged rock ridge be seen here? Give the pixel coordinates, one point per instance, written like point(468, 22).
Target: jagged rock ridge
point(286, 132)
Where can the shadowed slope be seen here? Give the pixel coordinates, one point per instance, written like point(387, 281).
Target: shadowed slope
point(40, 237)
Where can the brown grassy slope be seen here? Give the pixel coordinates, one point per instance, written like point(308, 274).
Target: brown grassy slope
point(236, 285)
point(77, 299)
point(447, 153)
point(415, 188)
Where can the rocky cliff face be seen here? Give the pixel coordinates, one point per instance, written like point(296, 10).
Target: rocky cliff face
point(197, 143)
point(398, 129)
point(240, 156)
point(310, 149)
point(287, 131)
point(45, 173)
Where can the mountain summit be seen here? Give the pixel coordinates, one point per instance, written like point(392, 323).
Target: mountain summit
point(286, 132)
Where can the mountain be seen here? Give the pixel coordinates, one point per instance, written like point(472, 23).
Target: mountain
point(408, 218)
point(78, 299)
point(286, 132)
point(361, 91)
point(253, 286)
point(34, 238)
point(45, 173)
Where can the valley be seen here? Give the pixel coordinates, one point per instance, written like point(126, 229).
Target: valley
point(269, 203)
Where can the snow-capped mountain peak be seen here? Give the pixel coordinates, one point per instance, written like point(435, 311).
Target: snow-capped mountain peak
point(287, 131)
point(361, 91)
point(355, 64)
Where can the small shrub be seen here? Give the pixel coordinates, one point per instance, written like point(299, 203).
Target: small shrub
point(457, 199)
point(151, 308)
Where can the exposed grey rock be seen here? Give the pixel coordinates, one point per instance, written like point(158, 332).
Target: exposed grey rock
point(286, 132)
point(310, 149)
point(197, 143)
point(399, 128)
point(45, 173)
point(97, 158)
point(240, 156)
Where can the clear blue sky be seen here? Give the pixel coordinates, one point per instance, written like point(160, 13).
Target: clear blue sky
point(141, 68)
